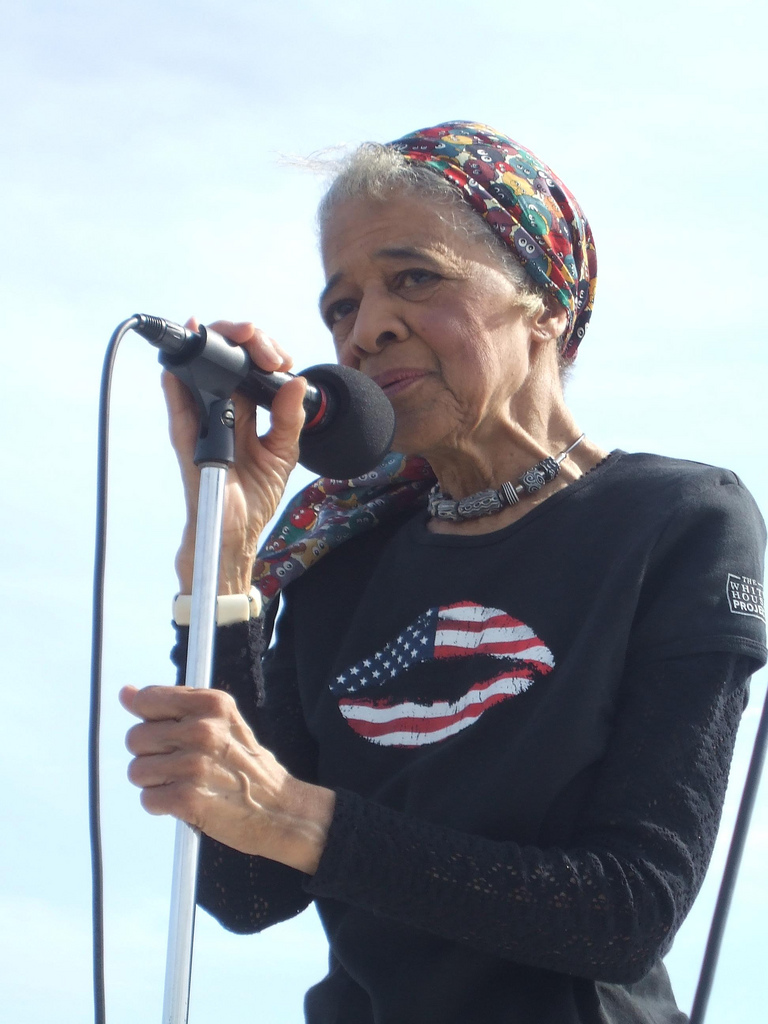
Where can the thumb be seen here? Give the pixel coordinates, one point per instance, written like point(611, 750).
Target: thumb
point(127, 696)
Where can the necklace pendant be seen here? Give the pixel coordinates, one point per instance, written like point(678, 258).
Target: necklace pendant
point(483, 503)
point(537, 476)
point(509, 493)
point(442, 508)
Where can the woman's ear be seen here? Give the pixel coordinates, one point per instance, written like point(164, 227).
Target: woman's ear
point(550, 323)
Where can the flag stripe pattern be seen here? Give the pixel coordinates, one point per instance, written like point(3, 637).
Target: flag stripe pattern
point(460, 630)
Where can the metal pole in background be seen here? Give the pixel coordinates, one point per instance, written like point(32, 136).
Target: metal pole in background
point(728, 883)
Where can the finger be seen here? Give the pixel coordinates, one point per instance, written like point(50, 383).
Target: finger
point(154, 738)
point(162, 792)
point(208, 732)
point(183, 415)
point(151, 770)
point(238, 331)
point(183, 429)
point(156, 703)
point(287, 419)
point(126, 696)
point(262, 349)
point(182, 783)
point(178, 397)
point(177, 798)
point(286, 356)
point(163, 769)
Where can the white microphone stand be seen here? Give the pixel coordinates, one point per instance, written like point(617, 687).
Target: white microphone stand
point(214, 455)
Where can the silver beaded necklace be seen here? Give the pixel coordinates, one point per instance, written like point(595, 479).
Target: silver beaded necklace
point(490, 501)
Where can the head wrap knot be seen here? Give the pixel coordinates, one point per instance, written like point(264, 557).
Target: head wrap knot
point(527, 206)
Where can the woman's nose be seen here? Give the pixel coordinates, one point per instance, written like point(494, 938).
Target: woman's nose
point(377, 324)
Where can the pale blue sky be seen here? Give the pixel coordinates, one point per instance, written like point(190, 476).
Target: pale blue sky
point(143, 169)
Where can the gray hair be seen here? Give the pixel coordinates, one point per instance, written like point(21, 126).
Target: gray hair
point(378, 172)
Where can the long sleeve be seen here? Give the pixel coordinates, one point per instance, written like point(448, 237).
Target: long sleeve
point(607, 906)
point(247, 893)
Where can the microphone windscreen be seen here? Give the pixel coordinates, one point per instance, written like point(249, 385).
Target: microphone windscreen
point(359, 431)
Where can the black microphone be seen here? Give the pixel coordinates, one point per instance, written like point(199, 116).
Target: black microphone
point(349, 424)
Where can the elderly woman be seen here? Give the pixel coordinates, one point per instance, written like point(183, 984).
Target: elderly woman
point(492, 738)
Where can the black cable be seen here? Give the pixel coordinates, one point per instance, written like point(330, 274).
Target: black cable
point(728, 883)
point(97, 875)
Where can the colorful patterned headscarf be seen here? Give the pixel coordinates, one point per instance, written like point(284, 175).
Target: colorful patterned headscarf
point(527, 206)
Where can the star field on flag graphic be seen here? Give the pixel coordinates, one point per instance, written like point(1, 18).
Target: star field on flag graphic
point(459, 630)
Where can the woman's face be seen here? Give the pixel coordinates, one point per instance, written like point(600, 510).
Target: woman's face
point(426, 313)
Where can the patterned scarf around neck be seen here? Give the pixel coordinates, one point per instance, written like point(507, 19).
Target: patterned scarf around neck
point(329, 512)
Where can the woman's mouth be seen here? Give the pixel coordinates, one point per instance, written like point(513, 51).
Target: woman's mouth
point(392, 382)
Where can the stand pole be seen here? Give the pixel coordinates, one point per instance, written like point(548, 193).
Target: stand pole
point(178, 968)
point(214, 454)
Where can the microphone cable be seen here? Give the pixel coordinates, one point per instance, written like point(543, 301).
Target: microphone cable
point(97, 633)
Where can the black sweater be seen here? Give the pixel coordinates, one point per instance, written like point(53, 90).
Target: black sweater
point(526, 808)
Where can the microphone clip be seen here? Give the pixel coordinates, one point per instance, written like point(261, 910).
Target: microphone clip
point(211, 371)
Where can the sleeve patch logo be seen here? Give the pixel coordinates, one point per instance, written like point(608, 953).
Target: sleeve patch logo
point(461, 630)
point(745, 596)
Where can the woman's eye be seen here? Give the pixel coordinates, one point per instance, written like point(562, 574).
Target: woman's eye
point(336, 312)
point(415, 277)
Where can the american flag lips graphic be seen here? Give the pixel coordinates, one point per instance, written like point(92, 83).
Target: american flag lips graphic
point(461, 630)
